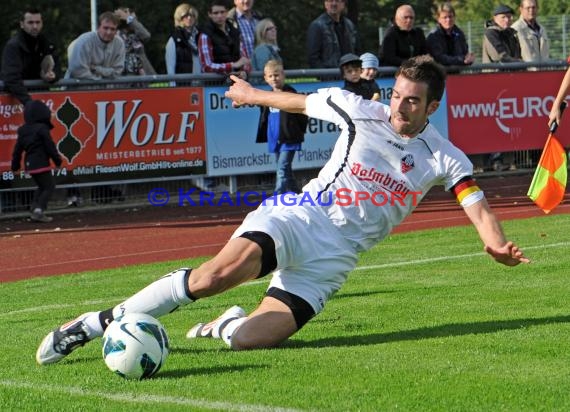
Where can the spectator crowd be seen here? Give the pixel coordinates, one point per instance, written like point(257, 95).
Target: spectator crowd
point(241, 39)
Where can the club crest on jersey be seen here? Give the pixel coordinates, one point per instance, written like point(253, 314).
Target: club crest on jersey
point(407, 163)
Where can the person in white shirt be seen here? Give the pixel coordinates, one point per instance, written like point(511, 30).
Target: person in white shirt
point(97, 55)
point(534, 42)
point(383, 164)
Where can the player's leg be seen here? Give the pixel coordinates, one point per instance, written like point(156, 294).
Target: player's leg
point(278, 317)
point(239, 261)
point(46, 186)
point(314, 262)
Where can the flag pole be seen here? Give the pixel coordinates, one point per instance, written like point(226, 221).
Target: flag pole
point(553, 128)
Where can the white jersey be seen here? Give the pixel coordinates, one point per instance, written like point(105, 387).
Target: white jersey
point(371, 160)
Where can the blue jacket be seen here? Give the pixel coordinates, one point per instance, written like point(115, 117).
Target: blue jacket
point(292, 126)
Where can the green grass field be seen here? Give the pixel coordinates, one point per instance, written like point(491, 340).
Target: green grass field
point(426, 322)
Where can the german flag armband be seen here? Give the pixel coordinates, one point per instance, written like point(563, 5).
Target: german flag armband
point(467, 191)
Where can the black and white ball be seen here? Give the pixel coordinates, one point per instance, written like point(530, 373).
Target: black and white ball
point(135, 346)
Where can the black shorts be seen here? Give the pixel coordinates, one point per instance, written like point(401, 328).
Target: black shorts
point(302, 311)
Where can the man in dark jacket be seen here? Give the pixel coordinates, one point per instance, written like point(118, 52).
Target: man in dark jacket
point(330, 36)
point(28, 56)
point(500, 45)
point(500, 41)
point(219, 44)
point(446, 43)
point(34, 139)
point(243, 17)
point(284, 132)
point(402, 40)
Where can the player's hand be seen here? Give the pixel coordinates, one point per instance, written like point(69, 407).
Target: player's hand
point(239, 91)
point(509, 254)
point(49, 76)
point(554, 116)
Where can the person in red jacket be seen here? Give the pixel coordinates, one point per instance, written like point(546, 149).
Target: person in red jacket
point(35, 140)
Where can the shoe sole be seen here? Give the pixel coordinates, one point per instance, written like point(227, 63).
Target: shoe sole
point(45, 354)
point(193, 332)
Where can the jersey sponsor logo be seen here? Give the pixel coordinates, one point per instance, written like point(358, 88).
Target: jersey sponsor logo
point(407, 163)
point(384, 179)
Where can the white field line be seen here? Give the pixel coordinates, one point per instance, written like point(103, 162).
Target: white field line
point(130, 398)
point(265, 280)
point(453, 257)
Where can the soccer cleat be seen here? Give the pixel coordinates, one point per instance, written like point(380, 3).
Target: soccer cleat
point(62, 341)
point(214, 328)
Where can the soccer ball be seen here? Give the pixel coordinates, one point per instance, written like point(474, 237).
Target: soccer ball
point(135, 346)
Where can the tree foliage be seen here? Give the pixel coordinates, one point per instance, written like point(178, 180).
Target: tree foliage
point(64, 20)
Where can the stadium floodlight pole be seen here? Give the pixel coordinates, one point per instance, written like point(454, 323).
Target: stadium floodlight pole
point(93, 15)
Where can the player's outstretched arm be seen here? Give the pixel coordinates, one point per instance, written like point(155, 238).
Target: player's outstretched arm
point(555, 113)
point(241, 92)
point(492, 235)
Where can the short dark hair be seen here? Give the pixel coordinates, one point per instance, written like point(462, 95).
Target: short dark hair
point(30, 10)
point(425, 69)
point(215, 3)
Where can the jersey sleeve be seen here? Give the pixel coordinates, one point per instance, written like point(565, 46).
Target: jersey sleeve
point(334, 104)
point(459, 178)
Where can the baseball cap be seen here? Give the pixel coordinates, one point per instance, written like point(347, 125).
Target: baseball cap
point(369, 61)
point(503, 9)
point(347, 58)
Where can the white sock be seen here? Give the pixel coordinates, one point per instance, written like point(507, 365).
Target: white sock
point(94, 324)
point(228, 331)
point(159, 298)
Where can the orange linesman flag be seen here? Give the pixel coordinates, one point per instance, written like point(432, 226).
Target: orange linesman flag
point(549, 181)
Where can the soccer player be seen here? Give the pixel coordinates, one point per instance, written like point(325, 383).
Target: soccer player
point(313, 245)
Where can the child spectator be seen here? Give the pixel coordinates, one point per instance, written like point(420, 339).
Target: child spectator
point(34, 139)
point(350, 70)
point(284, 132)
point(370, 72)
